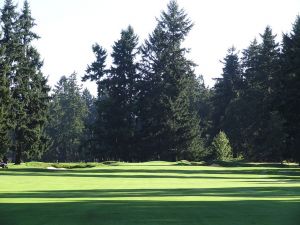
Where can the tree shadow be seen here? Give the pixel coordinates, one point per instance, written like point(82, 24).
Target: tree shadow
point(120, 212)
point(264, 173)
point(105, 206)
point(245, 192)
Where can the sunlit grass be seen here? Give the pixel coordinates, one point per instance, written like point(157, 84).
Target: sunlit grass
point(149, 193)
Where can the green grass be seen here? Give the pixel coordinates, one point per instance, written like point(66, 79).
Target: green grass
point(153, 193)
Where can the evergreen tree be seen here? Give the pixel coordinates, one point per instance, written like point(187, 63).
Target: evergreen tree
point(185, 123)
point(226, 98)
point(117, 98)
point(88, 141)
point(167, 127)
point(269, 136)
point(29, 93)
point(263, 126)
point(4, 104)
point(288, 86)
point(221, 147)
point(29, 90)
point(122, 93)
point(9, 55)
point(203, 95)
point(66, 128)
point(9, 39)
point(249, 96)
point(97, 72)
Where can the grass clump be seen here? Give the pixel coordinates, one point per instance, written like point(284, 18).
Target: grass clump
point(73, 165)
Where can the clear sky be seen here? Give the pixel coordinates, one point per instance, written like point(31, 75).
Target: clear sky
point(68, 28)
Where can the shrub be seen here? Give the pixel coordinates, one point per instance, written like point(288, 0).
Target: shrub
point(221, 147)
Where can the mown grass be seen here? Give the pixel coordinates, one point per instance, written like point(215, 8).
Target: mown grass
point(153, 193)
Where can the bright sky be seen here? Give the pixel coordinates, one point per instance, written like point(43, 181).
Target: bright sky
point(68, 28)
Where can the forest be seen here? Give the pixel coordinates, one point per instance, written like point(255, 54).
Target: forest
point(150, 103)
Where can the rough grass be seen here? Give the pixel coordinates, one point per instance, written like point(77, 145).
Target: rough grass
point(153, 193)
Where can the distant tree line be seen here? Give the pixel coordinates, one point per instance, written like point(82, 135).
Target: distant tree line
point(150, 104)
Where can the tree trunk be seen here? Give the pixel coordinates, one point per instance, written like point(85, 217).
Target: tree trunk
point(18, 156)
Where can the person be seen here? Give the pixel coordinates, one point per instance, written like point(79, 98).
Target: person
point(4, 162)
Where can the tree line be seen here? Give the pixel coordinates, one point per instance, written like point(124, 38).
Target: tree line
point(150, 103)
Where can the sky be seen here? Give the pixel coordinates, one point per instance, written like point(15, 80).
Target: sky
point(69, 28)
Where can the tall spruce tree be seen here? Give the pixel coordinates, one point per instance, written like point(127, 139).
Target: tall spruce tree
point(122, 91)
point(9, 54)
point(88, 140)
point(30, 94)
point(226, 99)
point(269, 136)
point(96, 72)
point(288, 94)
point(4, 104)
point(249, 96)
point(29, 90)
point(66, 128)
point(263, 128)
point(117, 99)
point(170, 126)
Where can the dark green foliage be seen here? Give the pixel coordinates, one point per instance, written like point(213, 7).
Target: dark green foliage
point(88, 141)
point(264, 135)
point(150, 104)
point(68, 112)
point(169, 120)
point(249, 101)
point(96, 70)
point(289, 85)
point(29, 93)
point(117, 93)
point(226, 99)
point(122, 93)
point(28, 88)
point(4, 105)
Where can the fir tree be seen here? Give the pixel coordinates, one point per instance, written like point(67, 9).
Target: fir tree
point(29, 93)
point(263, 126)
point(166, 76)
point(122, 92)
point(288, 86)
point(226, 98)
point(117, 94)
point(88, 140)
point(96, 70)
point(4, 105)
point(66, 129)
point(221, 147)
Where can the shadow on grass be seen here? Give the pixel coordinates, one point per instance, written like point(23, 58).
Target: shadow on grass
point(288, 175)
point(275, 192)
point(152, 213)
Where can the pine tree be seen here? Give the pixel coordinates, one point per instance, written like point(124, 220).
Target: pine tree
point(29, 93)
point(9, 39)
point(166, 76)
point(185, 123)
point(88, 140)
point(226, 98)
point(263, 126)
point(221, 147)
point(97, 71)
point(269, 135)
point(250, 98)
point(4, 105)
point(122, 91)
point(288, 86)
point(117, 94)
point(66, 128)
